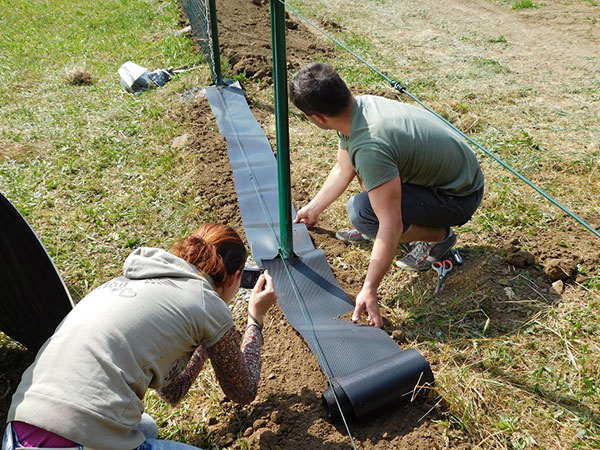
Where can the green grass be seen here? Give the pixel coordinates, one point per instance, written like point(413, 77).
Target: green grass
point(499, 40)
point(491, 64)
point(354, 72)
point(524, 4)
point(593, 281)
point(84, 163)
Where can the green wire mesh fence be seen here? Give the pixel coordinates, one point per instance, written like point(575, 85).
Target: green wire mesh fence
point(203, 20)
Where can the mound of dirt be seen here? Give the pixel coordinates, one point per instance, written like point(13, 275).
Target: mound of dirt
point(245, 39)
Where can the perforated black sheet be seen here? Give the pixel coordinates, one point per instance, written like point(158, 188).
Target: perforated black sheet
point(366, 368)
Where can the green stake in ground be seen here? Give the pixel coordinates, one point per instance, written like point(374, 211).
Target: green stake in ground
point(281, 121)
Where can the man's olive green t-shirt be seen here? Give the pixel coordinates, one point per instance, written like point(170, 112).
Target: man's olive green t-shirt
point(389, 139)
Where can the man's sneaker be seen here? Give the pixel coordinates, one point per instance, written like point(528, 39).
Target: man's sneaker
point(352, 236)
point(406, 247)
point(423, 254)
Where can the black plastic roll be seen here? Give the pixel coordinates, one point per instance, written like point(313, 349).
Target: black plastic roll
point(335, 399)
point(393, 380)
point(33, 297)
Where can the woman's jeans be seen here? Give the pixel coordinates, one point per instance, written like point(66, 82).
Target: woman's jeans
point(146, 426)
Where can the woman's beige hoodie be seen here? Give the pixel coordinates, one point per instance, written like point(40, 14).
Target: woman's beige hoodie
point(136, 331)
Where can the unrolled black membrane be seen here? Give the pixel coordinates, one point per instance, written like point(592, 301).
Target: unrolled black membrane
point(366, 368)
point(33, 297)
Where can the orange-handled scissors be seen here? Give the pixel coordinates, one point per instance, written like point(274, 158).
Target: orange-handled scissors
point(442, 268)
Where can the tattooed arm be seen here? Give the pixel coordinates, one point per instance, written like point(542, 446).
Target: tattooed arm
point(238, 371)
point(175, 391)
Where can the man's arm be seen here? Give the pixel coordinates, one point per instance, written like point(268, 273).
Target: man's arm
point(386, 202)
point(336, 183)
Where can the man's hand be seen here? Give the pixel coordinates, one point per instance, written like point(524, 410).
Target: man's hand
point(340, 176)
point(366, 301)
point(307, 216)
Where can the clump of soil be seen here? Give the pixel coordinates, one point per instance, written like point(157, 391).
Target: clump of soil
point(520, 258)
point(561, 269)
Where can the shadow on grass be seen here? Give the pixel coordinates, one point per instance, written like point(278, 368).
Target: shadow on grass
point(485, 297)
point(575, 407)
point(14, 359)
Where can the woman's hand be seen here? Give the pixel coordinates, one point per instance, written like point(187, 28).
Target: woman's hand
point(263, 296)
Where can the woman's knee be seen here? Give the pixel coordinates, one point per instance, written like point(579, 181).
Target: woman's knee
point(148, 427)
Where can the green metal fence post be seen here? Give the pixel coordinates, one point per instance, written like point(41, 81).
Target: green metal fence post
point(214, 35)
point(281, 123)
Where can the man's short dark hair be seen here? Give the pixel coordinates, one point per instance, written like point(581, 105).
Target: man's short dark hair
point(317, 88)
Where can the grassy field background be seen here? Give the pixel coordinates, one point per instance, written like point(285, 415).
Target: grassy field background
point(94, 172)
point(90, 166)
point(522, 79)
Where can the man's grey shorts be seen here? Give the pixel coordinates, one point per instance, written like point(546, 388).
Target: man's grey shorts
point(420, 206)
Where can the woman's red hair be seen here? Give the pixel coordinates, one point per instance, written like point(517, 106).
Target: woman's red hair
point(215, 249)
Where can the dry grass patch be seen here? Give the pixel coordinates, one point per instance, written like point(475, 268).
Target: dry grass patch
point(79, 76)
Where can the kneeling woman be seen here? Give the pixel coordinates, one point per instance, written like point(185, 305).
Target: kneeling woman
point(152, 327)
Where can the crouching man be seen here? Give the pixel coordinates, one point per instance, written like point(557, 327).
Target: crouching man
point(419, 176)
